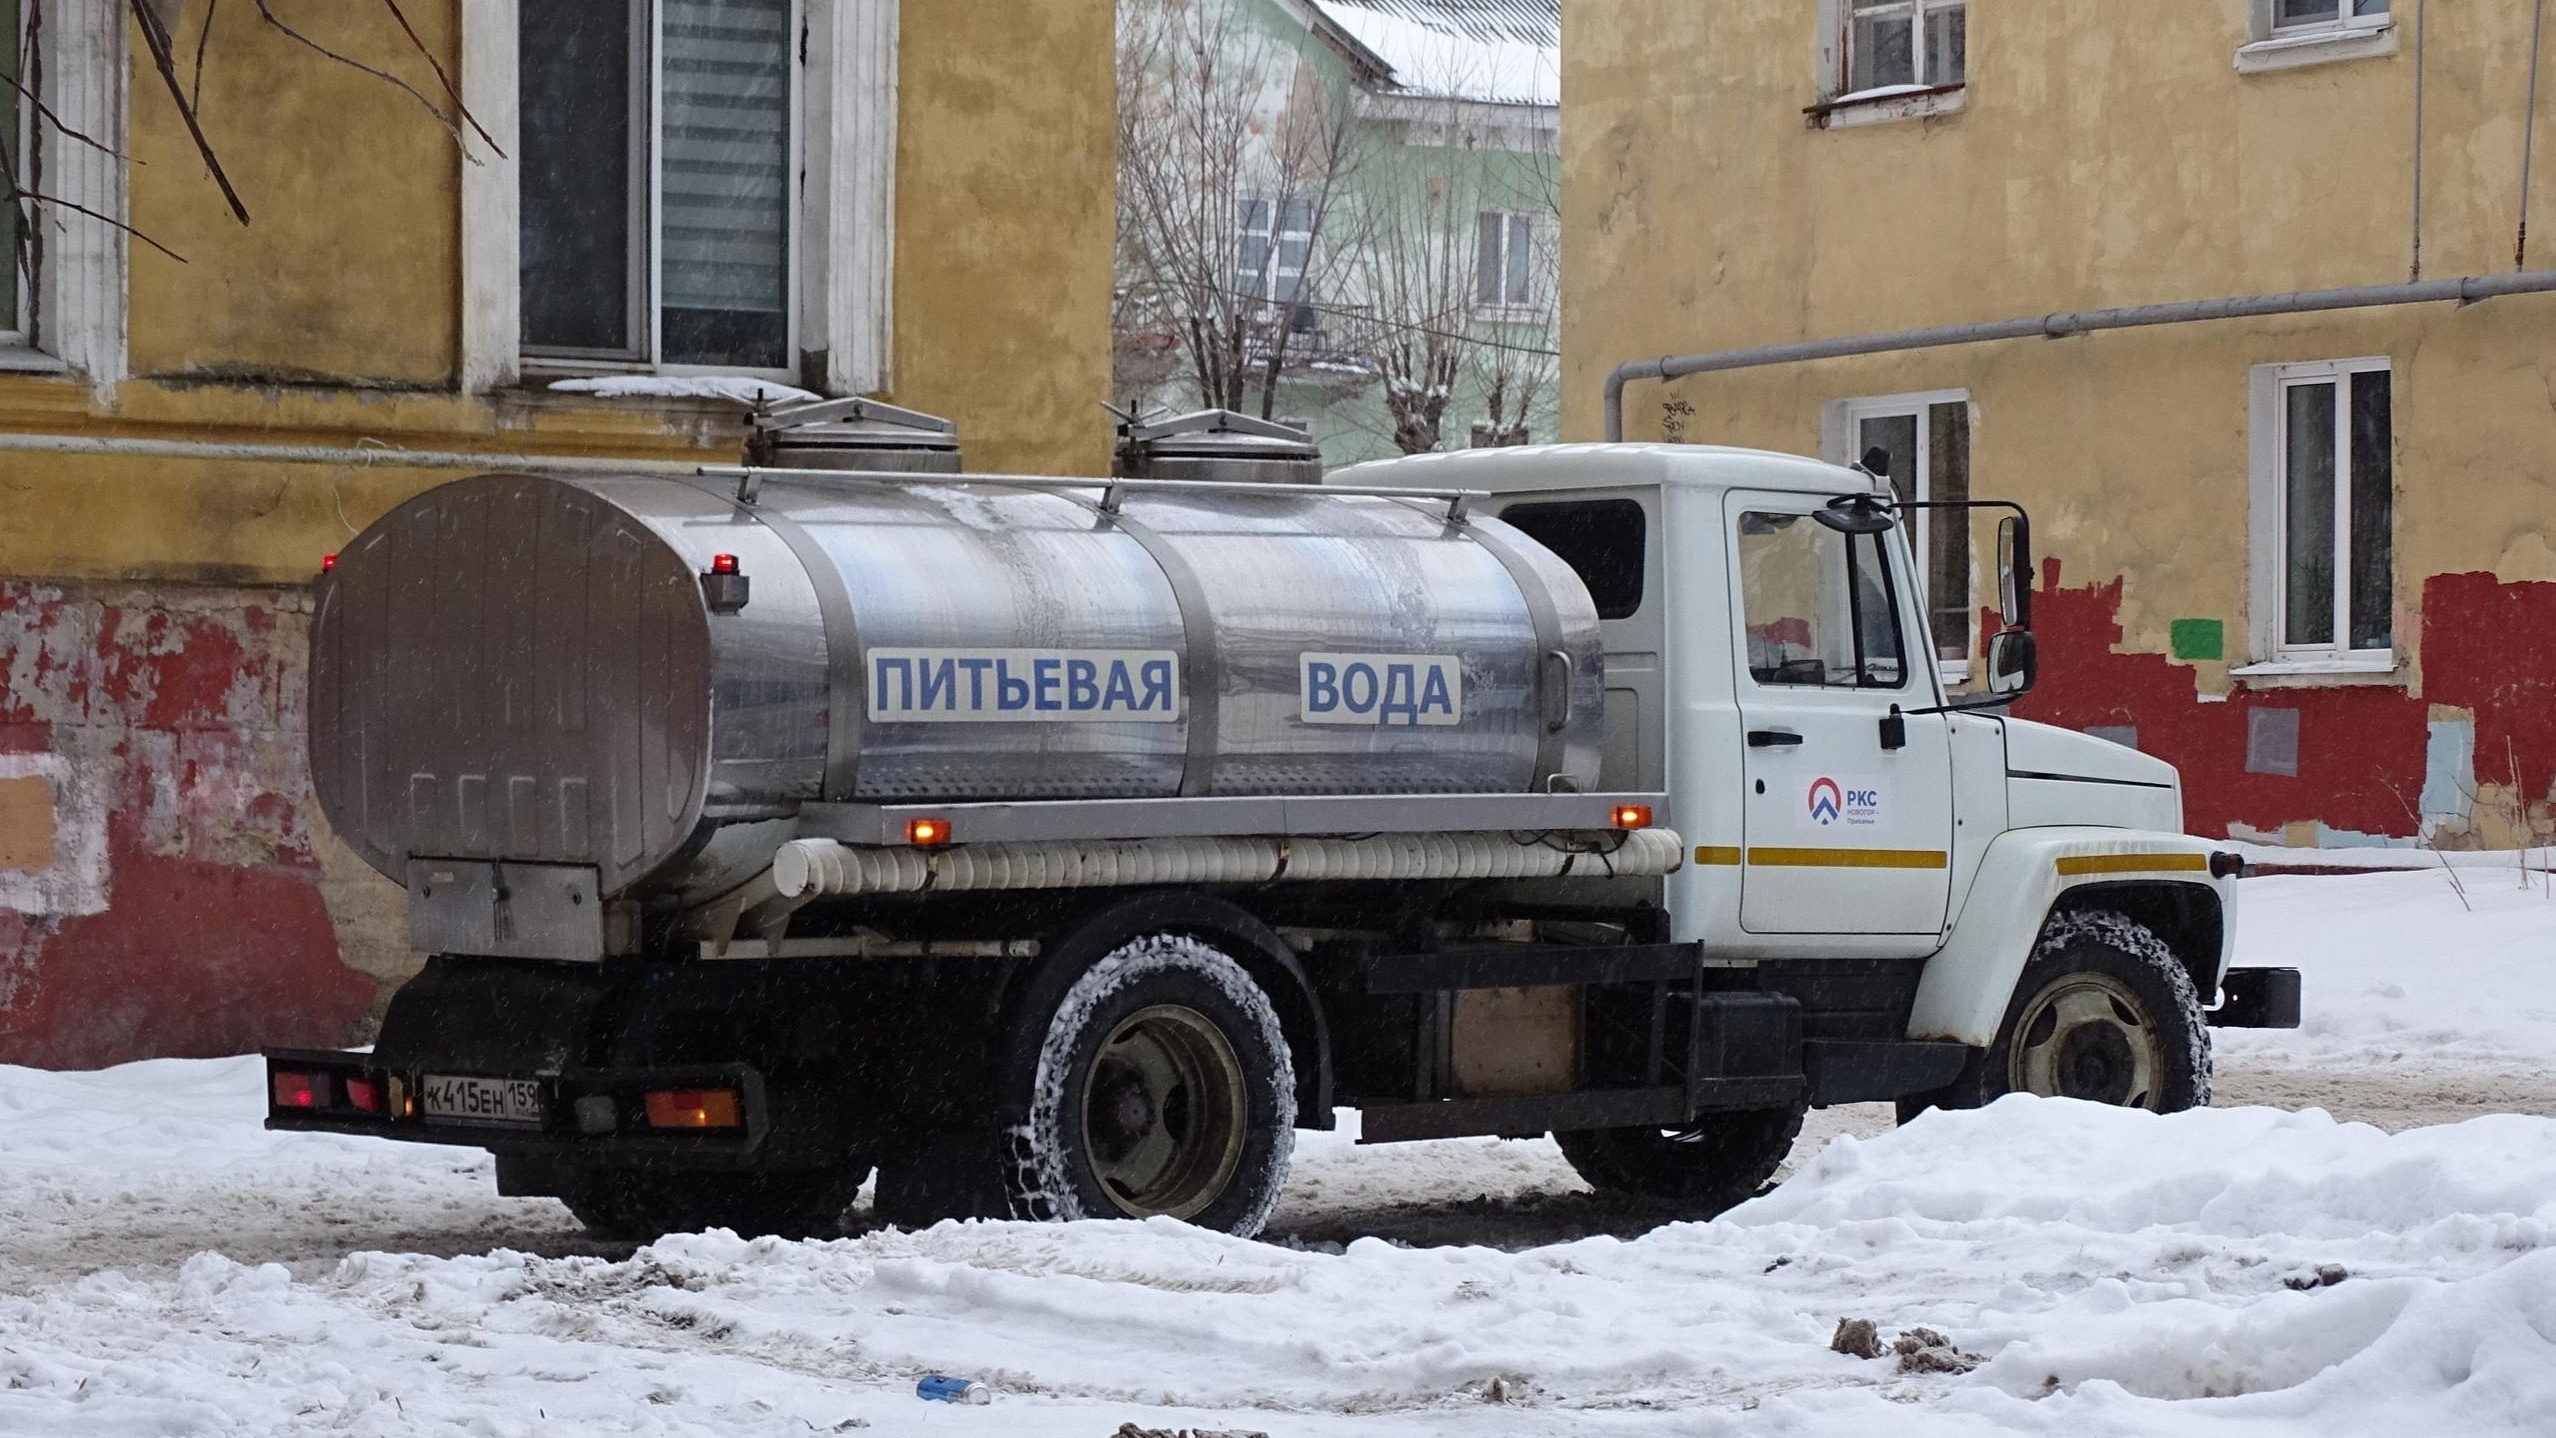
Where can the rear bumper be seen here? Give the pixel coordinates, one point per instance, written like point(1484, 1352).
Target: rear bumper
point(586, 1115)
point(2258, 999)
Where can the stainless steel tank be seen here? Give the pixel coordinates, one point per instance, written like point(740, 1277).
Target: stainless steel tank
point(546, 668)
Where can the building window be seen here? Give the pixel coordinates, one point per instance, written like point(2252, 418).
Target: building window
point(659, 146)
point(2325, 505)
point(1273, 245)
point(2302, 17)
point(1901, 43)
point(1926, 440)
point(1503, 260)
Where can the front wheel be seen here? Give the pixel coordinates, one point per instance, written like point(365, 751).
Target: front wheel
point(2104, 1012)
point(1163, 1088)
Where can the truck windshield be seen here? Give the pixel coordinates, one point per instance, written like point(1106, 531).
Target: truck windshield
point(1817, 605)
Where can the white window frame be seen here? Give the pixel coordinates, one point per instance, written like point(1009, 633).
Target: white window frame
point(1511, 223)
point(72, 314)
point(648, 213)
point(2273, 45)
point(1841, 107)
point(2268, 556)
point(2273, 26)
point(1841, 426)
point(843, 204)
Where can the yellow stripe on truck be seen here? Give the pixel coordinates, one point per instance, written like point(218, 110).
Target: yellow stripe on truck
point(1849, 858)
point(2079, 865)
point(1722, 857)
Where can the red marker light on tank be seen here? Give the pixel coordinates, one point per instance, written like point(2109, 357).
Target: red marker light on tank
point(723, 564)
point(327, 563)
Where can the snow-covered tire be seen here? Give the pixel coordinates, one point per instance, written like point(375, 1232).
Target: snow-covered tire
point(644, 1204)
point(1724, 1159)
point(1163, 1087)
point(2106, 1012)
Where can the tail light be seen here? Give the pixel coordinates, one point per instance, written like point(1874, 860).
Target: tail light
point(365, 1094)
point(301, 1090)
point(693, 1108)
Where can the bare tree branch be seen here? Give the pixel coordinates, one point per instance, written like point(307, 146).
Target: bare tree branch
point(385, 76)
point(46, 111)
point(158, 40)
point(203, 38)
point(438, 67)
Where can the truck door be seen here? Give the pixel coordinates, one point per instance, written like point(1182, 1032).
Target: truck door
point(1847, 831)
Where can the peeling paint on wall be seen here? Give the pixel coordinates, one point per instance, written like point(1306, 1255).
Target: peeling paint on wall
point(2361, 762)
point(161, 889)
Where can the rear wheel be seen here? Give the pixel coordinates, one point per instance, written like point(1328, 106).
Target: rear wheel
point(646, 1204)
point(1724, 1159)
point(2105, 1012)
point(1163, 1088)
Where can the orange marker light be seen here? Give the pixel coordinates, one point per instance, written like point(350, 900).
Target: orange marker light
point(927, 833)
point(693, 1108)
point(1632, 816)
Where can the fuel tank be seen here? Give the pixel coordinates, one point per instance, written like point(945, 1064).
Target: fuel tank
point(558, 669)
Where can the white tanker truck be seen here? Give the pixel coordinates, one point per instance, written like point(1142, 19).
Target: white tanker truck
point(1056, 847)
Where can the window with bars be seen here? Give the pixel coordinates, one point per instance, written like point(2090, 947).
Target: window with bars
point(1926, 438)
point(1503, 260)
point(1273, 247)
point(659, 145)
point(2331, 504)
point(1900, 43)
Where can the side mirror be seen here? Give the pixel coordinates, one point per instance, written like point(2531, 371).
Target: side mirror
point(2014, 572)
point(2014, 662)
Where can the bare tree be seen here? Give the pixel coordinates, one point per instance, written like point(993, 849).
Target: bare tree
point(1234, 160)
point(1458, 272)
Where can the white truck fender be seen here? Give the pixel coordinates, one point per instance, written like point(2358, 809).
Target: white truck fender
point(1970, 980)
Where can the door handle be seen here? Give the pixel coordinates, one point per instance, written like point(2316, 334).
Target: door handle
point(1772, 738)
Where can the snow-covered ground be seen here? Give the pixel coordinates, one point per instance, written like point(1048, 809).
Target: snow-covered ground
point(169, 1267)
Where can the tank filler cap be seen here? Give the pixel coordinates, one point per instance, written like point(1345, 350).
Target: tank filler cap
point(854, 434)
point(1219, 445)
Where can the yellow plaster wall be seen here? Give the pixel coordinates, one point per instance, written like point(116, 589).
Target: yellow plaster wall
point(333, 318)
point(1006, 220)
point(2105, 155)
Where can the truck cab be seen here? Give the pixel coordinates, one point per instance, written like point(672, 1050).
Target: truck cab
point(1835, 744)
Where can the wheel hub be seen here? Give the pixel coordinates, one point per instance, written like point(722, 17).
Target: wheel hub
point(2088, 1036)
point(1164, 1113)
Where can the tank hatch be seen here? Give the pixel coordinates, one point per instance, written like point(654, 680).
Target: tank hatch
point(1219, 445)
point(864, 435)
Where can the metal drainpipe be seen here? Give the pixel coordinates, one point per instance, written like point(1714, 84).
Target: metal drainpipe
point(2060, 326)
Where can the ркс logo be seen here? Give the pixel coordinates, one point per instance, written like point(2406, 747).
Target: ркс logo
point(1826, 800)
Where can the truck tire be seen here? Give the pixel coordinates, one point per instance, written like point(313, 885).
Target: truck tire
point(646, 1204)
point(1723, 1160)
point(2104, 1012)
point(1163, 1087)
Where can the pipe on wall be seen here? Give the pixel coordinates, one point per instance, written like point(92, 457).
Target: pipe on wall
point(2060, 326)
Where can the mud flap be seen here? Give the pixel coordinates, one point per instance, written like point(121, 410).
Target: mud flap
point(2258, 999)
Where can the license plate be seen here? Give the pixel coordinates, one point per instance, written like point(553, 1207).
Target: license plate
point(481, 1100)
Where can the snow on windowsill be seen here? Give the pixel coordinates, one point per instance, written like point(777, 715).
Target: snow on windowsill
point(2373, 669)
point(2315, 47)
point(737, 389)
point(1885, 103)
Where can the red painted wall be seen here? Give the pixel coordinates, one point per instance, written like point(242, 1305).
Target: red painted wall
point(2486, 646)
point(181, 913)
